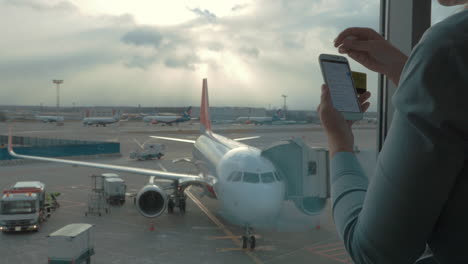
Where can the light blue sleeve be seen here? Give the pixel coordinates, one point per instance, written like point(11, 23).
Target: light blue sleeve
point(391, 218)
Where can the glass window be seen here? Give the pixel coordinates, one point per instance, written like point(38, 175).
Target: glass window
point(273, 46)
point(18, 207)
point(230, 177)
point(278, 177)
point(236, 176)
point(268, 177)
point(439, 12)
point(251, 177)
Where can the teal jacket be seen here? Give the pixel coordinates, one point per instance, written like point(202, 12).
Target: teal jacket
point(418, 194)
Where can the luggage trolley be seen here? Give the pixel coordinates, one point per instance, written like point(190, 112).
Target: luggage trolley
point(96, 198)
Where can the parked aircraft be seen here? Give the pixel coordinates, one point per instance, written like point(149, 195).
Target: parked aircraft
point(260, 120)
point(49, 119)
point(169, 120)
point(247, 184)
point(103, 121)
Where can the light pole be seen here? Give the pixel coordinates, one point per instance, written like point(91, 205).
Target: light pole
point(58, 82)
point(284, 105)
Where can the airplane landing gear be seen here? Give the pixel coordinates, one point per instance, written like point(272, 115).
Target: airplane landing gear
point(177, 199)
point(248, 239)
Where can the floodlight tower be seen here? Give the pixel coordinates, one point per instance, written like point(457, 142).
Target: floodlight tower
point(284, 104)
point(58, 82)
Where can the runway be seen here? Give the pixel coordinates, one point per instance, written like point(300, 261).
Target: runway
point(201, 235)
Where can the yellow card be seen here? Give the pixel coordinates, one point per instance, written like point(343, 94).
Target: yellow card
point(360, 81)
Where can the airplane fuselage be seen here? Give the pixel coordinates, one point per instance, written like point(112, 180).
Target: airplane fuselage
point(99, 121)
point(165, 119)
point(247, 184)
point(50, 119)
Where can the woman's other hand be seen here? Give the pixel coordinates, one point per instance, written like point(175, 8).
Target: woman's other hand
point(371, 50)
point(338, 130)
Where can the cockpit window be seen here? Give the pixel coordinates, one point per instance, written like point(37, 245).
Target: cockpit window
point(251, 177)
point(268, 177)
point(235, 176)
point(278, 177)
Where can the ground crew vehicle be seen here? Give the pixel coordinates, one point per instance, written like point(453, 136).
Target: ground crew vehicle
point(71, 244)
point(23, 206)
point(149, 151)
point(114, 190)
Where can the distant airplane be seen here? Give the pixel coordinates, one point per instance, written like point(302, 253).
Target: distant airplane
point(248, 186)
point(260, 120)
point(49, 119)
point(169, 120)
point(103, 121)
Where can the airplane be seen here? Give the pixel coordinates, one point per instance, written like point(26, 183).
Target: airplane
point(169, 120)
point(49, 119)
point(247, 184)
point(260, 120)
point(103, 121)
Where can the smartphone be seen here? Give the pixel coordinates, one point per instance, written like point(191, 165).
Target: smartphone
point(337, 75)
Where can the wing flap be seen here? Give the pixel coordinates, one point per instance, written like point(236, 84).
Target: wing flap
point(246, 138)
point(175, 139)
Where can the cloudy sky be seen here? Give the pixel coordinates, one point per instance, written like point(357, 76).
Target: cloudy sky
point(155, 53)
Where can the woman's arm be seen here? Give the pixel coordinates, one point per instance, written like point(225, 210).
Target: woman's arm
point(392, 220)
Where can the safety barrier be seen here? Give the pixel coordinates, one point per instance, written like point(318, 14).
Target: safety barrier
point(56, 147)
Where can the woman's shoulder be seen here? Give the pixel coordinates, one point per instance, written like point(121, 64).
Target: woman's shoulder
point(451, 31)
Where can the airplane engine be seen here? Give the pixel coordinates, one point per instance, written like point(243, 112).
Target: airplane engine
point(310, 205)
point(151, 201)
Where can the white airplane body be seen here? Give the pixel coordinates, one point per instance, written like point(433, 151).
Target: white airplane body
point(249, 188)
point(169, 119)
point(260, 120)
point(103, 121)
point(49, 119)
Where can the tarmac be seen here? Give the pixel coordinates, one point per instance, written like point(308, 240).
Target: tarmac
point(201, 235)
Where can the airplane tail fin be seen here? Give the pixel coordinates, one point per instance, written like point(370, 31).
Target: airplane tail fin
point(205, 120)
point(87, 113)
point(188, 112)
point(277, 115)
point(116, 114)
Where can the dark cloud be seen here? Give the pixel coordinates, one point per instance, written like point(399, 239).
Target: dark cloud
point(251, 52)
point(143, 37)
point(58, 64)
point(215, 46)
point(65, 6)
point(142, 62)
point(238, 7)
point(187, 62)
point(204, 13)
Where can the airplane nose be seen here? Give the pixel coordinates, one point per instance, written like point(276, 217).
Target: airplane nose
point(263, 207)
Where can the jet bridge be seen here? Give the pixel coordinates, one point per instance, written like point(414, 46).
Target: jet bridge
point(306, 171)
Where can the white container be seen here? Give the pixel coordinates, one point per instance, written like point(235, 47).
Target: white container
point(114, 187)
point(74, 242)
point(109, 175)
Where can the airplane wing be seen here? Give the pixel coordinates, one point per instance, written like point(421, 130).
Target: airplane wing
point(193, 141)
point(175, 139)
point(246, 138)
point(148, 172)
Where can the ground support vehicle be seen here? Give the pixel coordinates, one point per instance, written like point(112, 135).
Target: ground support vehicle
point(24, 206)
point(73, 244)
point(149, 151)
point(114, 190)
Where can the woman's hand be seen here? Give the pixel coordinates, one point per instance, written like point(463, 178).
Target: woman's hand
point(371, 50)
point(338, 130)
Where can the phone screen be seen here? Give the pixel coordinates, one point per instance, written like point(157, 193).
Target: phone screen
point(338, 77)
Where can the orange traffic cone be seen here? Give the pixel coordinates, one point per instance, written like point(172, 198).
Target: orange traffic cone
point(317, 224)
point(151, 226)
